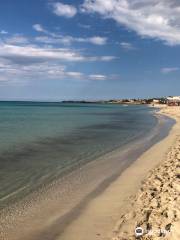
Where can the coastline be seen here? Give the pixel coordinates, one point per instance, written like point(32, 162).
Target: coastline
point(116, 201)
point(155, 208)
point(97, 214)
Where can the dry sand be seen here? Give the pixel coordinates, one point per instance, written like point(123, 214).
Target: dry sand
point(156, 206)
point(135, 199)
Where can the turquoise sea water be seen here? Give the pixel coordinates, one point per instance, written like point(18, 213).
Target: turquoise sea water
point(40, 142)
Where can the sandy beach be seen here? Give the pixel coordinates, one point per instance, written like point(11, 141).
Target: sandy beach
point(145, 195)
point(156, 206)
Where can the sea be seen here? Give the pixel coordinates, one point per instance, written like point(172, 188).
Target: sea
point(41, 142)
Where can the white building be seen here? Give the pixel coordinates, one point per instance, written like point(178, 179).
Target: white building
point(173, 101)
point(155, 101)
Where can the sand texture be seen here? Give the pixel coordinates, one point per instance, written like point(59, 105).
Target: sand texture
point(156, 206)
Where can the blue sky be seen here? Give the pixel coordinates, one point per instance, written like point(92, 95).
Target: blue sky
point(89, 49)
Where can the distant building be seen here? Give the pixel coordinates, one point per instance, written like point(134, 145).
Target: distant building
point(173, 101)
point(156, 101)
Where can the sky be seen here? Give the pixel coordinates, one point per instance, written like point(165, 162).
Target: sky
point(89, 49)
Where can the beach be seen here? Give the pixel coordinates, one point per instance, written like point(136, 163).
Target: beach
point(155, 208)
point(54, 163)
point(104, 210)
point(145, 195)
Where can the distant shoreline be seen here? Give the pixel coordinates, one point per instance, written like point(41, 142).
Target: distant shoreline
point(128, 101)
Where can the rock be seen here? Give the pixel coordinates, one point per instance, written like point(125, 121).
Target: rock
point(168, 227)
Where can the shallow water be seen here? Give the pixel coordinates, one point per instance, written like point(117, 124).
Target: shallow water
point(40, 142)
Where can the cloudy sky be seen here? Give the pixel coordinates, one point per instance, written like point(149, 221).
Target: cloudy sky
point(89, 49)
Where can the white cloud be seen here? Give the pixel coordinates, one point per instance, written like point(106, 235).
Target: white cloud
point(12, 73)
point(3, 32)
point(97, 40)
point(127, 46)
point(67, 40)
point(108, 58)
point(98, 77)
point(103, 77)
point(17, 39)
point(64, 10)
point(75, 75)
point(58, 38)
point(149, 18)
point(38, 28)
point(23, 59)
point(23, 62)
point(32, 53)
point(54, 40)
point(86, 26)
point(169, 69)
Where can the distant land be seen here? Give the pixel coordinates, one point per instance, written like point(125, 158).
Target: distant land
point(161, 100)
point(170, 100)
